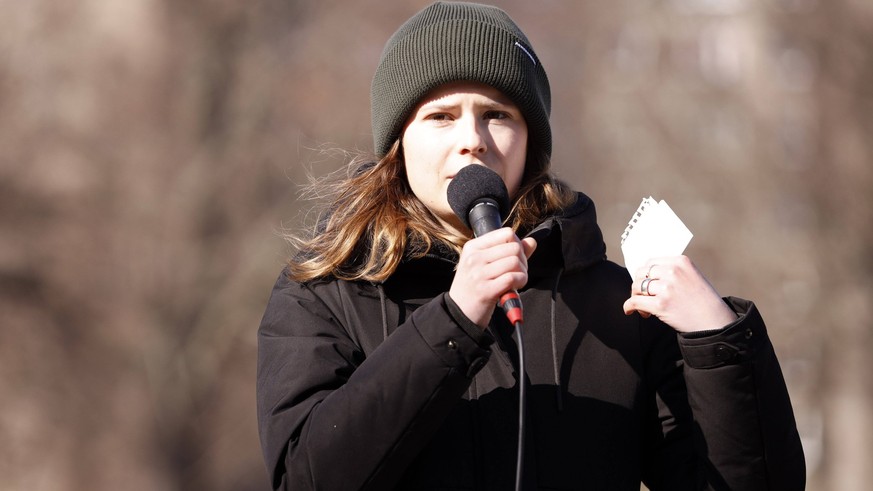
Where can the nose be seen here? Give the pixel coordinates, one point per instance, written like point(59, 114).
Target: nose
point(472, 138)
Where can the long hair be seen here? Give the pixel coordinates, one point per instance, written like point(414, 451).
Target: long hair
point(374, 220)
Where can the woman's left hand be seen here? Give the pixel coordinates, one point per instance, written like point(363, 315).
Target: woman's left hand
point(674, 290)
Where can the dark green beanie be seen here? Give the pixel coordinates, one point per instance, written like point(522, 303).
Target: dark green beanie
point(448, 42)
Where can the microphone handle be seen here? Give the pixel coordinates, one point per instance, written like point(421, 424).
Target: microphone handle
point(510, 302)
point(484, 217)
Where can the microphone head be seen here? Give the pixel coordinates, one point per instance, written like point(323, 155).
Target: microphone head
point(473, 184)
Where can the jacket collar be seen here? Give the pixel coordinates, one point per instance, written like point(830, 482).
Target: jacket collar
point(570, 241)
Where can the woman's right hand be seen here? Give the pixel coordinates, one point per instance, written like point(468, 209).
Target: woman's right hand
point(490, 266)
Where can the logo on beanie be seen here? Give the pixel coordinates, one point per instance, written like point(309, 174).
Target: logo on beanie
point(528, 53)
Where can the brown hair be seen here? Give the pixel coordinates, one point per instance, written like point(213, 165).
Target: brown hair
point(374, 220)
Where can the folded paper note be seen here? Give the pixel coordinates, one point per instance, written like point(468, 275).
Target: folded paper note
point(653, 231)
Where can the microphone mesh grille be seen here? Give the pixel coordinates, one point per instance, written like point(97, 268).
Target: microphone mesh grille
point(472, 184)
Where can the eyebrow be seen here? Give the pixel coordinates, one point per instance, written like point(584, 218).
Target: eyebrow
point(488, 105)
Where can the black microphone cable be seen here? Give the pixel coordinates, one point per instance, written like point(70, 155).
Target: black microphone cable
point(479, 198)
point(511, 304)
point(522, 403)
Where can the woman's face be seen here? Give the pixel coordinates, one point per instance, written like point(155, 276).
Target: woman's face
point(456, 125)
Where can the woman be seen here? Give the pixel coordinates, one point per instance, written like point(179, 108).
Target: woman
point(383, 364)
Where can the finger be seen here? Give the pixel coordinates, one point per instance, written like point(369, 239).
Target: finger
point(491, 288)
point(488, 248)
point(530, 245)
point(499, 236)
point(631, 305)
point(645, 287)
point(509, 281)
point(652, 287)
point(654, 268)
point(499, 251)
point(643, 271)
point(504, 265)
point(666, 266)
point(645, 306)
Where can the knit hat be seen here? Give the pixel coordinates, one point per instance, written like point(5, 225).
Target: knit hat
point(452, 41)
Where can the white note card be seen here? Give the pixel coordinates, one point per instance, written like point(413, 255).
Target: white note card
point(653, 231)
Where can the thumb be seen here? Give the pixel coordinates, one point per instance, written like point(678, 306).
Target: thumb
point(630, 306)
point(530, 245)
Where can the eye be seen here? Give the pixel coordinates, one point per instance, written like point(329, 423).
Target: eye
point(438, 117)
point(496, 115)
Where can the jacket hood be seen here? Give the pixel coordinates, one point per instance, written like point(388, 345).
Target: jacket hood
point(570, 241)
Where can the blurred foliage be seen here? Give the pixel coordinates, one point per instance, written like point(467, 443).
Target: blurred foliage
point(152, 150)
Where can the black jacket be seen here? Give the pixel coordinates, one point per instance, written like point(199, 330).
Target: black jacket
point(389, 386)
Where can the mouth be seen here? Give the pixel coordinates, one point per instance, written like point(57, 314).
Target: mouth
point(452, 175)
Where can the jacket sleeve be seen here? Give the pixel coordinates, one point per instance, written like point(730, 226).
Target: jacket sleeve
point(332, 418)
point(744, 427)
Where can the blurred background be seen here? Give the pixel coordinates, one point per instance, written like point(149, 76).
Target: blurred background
point(152, 151)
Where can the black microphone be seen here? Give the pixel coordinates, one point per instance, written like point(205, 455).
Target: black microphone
point(479, 198)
